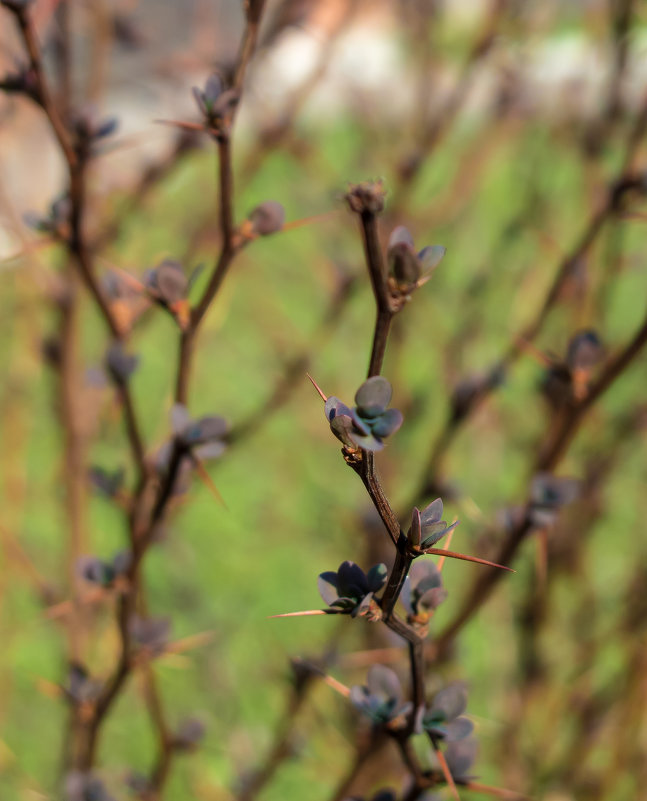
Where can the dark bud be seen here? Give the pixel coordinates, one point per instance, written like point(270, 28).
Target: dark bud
point(79, 686)
point(167, 283)
point(206, 98)
point(89, 127)
point(194, 433)
point(57, 220)
point(548, 494)
point(366, 198)
point(216, 103)
point(119, 364)
point(109, 483)
point(189, 734)
point(584, 351)
point(151, 633)
point(268, 218)
point(96, 571)
point(85, 787)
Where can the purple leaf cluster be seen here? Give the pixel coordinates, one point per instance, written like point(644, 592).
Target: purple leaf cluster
point(369, 422)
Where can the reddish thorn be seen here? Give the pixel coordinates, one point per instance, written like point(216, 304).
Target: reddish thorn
point(465, 558)
point(317, 387)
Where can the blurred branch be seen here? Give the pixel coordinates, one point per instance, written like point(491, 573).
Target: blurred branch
point(627, 180)
point(549, 456)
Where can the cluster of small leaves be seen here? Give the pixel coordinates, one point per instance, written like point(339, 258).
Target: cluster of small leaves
point(104, 574)
point(548, 494)
point(426, 527)
point(351, 591)
point(381, 699)
point(422, 592)
point(369, 422)
point(217, 104)
point(408, 268)
point(444, 719)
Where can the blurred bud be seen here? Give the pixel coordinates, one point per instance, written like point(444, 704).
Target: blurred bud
point(152, 633)
point(366, 198)
point(119, 364)
point(189, 734)
point(548, 493)
point(422, 591)
point(584, 351)
point(192, 433)
point(57, 220)
point(95, 571)
point(85, 787)
point(89, 127)
point(79, 687)
point(216, 103)
point(109, 483)
point(268, 218)
point(167, 283)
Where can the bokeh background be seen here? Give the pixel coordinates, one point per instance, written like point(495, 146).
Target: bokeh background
point(497, 128)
